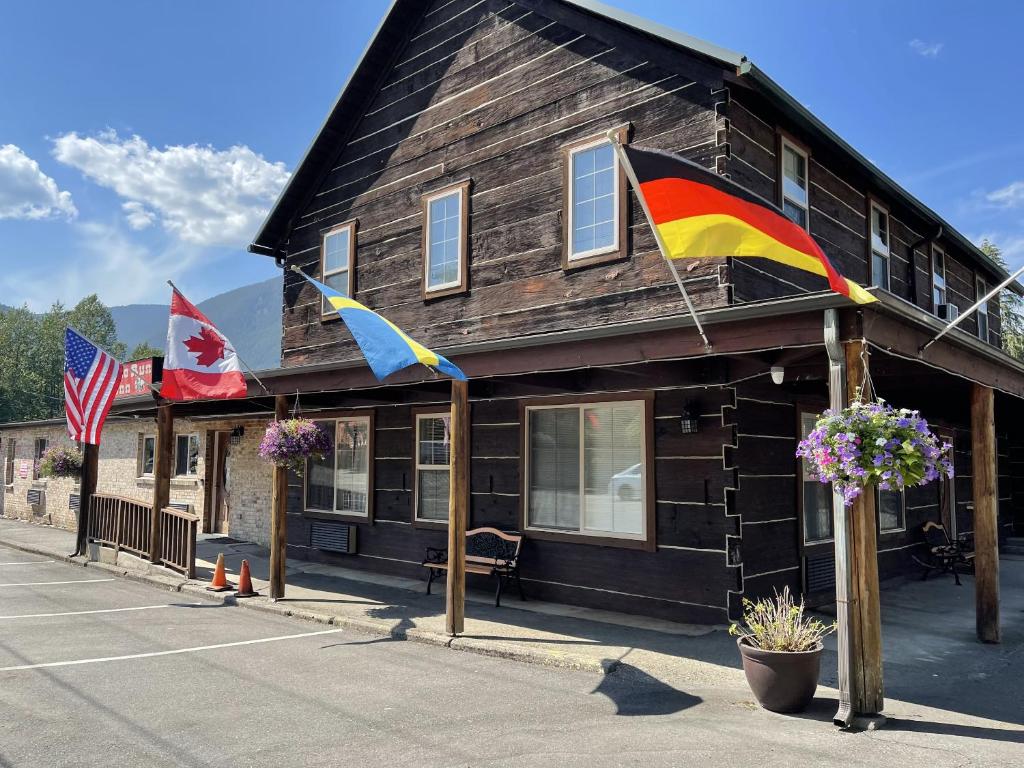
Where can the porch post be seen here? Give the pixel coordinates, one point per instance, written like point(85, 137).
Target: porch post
point(458, 509)
point(90, 471)
point(278, 512)
point(865, 631)
point(161, 476)
point(986, 513)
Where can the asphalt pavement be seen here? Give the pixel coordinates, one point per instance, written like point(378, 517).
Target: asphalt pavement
point(99, 670)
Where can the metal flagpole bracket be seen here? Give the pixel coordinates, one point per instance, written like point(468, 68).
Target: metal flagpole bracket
point(970, 311)
point(613, 137)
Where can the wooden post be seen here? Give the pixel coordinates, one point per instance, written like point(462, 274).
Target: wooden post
point(865, 613)
point(162, 470)
point(986, 514)
point(90, 471)
point(458, 509)
point(278, 515)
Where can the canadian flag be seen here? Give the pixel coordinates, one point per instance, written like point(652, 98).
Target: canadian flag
point(200, 363)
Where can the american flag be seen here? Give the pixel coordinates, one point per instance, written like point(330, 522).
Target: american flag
point(91, 377)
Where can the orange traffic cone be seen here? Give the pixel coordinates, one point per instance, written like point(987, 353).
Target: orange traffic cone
point(245, 582)
point(219, 582)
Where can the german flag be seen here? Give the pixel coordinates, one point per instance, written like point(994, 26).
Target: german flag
point(698, 213)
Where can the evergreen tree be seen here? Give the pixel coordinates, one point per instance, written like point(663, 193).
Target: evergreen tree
point(1011, 308)
point(143, 350)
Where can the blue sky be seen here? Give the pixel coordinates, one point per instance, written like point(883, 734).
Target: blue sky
point(144, 141)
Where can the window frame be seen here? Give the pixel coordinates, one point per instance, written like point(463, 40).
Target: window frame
point(37, 455)
point(802, 409)
point(328, 313)
point(935, 249)
point(784, 141)
point(199, 453)
point(647, 541)
point(462, 189)
point(874, 205)
point(878, 512)
point(335, 514)
point(980, 289)
point(141, 464)
point(619, 249)
point(10, 460)
point(419, 414)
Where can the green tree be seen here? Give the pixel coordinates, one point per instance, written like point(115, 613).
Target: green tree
point(142, 350)
point(92, 319)
point(1011, 308)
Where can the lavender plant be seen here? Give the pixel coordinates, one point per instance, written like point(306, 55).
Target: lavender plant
point(874, 444)
point(60, 461)
point(290, 442)
point(779, 624)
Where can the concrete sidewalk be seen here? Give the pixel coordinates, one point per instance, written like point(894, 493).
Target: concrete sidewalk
point(939, 681)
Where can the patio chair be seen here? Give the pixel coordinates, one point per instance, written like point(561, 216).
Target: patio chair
point(942, 554)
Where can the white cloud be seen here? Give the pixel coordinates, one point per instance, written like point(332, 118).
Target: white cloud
point(927, 50)
point(26, 192)
point(1010, 196)
point(201, 195)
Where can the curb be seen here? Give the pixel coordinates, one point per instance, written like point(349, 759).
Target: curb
point(356, 624)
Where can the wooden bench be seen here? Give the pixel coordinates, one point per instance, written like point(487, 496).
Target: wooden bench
point(489, 552)
point(943, 555)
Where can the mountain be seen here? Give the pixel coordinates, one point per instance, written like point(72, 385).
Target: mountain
point(250, 316)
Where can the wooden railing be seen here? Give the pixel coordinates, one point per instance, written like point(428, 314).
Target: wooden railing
point(120, 523)
point(178, 531)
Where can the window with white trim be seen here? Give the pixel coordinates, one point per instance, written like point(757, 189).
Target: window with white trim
point(891, 511)
point(444, 240)
point(593, 200)
point(9, 462)
point(879, 247)
point(186, 455)
point(147, 454)
point(433, 464)
point(586, 469)
point(980, 289)
point(795, 193)
point(337, 262)
point(37, 454)
point(938, 278)
point(340, 481)
point(816, 496)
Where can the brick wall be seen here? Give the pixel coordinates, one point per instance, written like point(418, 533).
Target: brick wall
point(56, 491)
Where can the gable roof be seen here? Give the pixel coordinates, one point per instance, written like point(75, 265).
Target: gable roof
point(403, 15)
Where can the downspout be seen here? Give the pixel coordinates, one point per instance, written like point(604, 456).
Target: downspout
point(841, 533)
point(912, 277)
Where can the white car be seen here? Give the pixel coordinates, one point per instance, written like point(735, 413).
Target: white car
point(626, 484)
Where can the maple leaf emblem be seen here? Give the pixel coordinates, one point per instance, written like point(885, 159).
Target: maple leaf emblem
point(207, 346)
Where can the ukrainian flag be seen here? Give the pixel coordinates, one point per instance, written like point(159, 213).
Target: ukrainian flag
point(386, 348)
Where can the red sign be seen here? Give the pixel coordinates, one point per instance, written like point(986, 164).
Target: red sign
point(135, 378)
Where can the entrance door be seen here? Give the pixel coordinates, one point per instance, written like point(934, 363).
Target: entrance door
point(221, 499)
point(814, 507)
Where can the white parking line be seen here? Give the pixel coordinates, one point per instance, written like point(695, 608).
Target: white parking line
point(47, 583)
point(98, 610)
point(27, 562)
point(168, 653)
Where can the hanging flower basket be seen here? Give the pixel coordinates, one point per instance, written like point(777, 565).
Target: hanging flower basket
point(61, 461)
point(288, 443)
point(874, 444)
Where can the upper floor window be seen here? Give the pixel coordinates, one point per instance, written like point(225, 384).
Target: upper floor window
point(445, 240)
point(186, 455)
point(594, 210)
point(37, 454)
point(879, 246)
point(337, 262)
point(980, 289)
point(938, 278)
point(340, 481)
point(795, 198)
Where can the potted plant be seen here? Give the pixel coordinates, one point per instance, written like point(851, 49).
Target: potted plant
point(874, 444)
point(290, 442)
point(60, 461)
point(781, 651)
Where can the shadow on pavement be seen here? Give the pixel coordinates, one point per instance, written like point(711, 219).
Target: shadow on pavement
point(636, 693)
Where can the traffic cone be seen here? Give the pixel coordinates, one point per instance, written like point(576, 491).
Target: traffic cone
point(245, 582)
point(219, 582)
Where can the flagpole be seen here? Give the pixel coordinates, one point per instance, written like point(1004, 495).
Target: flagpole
point(245, 364)
point(613, 137)
point(971, 310)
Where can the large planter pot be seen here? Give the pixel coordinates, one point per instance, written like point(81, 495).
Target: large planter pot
point(782, 681)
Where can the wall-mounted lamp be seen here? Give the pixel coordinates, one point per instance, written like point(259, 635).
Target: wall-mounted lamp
point(687, 421)
point(778, 374)
point(236, 435)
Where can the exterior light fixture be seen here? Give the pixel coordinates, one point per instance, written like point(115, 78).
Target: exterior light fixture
point(236, 435)
point(687, 421)
point(778, 374)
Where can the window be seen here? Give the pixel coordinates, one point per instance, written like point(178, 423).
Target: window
point(593, 195)
point(340, 482)
point(891, 511)
point(147, 454)
point(186, 455)
point(980, 289)
point(433, 460)
point(795, 199)
point(586, 469)
point(879, 247)
point(816, 496)
point(938, 278)
point(445, 228)
point(337, 262)
point(37, 455)
point(9, 462)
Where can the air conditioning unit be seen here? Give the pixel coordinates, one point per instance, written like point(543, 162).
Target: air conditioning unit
point(947, 312)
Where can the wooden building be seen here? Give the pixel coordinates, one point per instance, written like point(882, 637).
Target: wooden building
point(462, 186)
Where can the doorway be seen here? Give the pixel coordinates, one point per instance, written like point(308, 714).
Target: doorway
point(814, 510)
point(220, 498)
